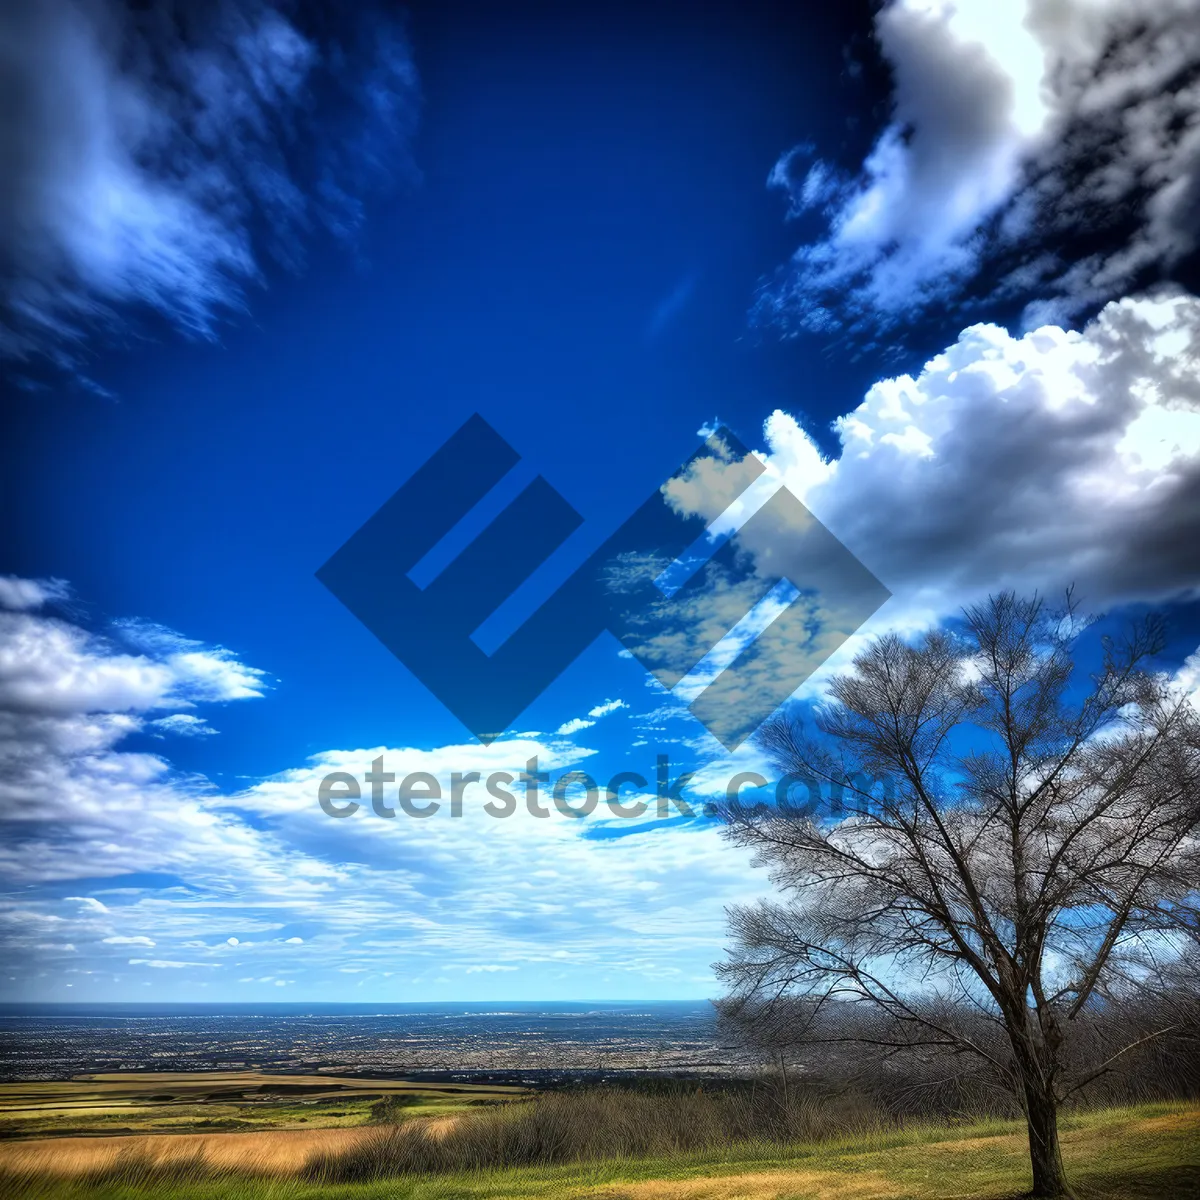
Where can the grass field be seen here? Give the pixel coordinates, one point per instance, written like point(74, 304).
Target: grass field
point(168, 1102)
point(1151, 1152)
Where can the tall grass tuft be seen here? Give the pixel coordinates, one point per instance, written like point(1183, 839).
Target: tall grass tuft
point(597, 1123)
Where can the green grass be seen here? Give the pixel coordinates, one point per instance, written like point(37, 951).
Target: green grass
point(1151, 1152)
point(177, 1102)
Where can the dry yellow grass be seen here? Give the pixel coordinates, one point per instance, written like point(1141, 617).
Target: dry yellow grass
point(440, 1126)
point(756, 1185)
point(94, 1089)
point(276, 1151)
point(267, 1151)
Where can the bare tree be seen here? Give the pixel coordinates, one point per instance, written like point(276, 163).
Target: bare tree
point(1032, 850)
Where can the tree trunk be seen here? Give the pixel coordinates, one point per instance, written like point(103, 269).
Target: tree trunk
point(1041, 1114)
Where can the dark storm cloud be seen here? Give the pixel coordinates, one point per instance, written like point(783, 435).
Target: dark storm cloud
point(1047, 150)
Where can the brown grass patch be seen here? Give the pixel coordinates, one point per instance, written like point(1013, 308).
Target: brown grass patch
point(756, 1185)
point(440, 1127)
point(1176, 1122)
point(279, 1151)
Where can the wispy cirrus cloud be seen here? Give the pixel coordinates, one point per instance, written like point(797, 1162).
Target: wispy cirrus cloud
point(154, 154)
point(18, 594)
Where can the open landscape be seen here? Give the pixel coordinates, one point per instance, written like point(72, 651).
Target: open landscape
point(599, 600)
point(436, 1146)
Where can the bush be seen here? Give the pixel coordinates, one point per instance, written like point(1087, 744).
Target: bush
point(390, 1109)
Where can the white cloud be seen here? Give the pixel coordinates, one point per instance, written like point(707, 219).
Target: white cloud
point(1031, 462)
point(468, 889)
point(183, 725)
point(50, 666)
point(488, 968)
point(76, 806)
point(1047, 117)
point(143, 145)
point(18, 593)
point(214, 675)
point(165, 964)
point(574, 725)
point(471, 889)
point(199, 673)
point(1188, 677)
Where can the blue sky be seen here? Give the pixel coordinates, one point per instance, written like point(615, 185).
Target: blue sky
point(863, 241)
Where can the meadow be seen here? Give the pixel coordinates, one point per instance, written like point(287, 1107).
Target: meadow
point(674, 1143)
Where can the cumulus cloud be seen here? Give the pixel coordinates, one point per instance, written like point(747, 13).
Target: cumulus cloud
point(76, 805)
point(51, 666)
point(153, 153)
point(1018, 131)
point(179, 862)
point(1188, 677)
point(1032, 462)
point(609, 706)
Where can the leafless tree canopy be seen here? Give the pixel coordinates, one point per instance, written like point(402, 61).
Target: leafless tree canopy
point(1031, 862)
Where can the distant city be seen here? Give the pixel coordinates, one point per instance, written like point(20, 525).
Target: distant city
point(533, 1042)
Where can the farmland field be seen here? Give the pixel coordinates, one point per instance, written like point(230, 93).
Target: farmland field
point(179, 1102)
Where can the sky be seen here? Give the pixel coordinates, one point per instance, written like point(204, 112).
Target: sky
point(935, 263)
